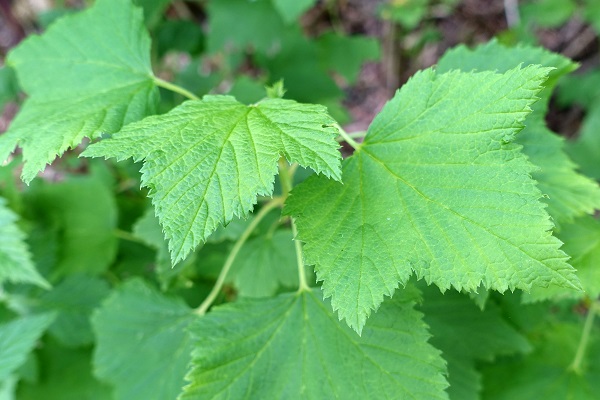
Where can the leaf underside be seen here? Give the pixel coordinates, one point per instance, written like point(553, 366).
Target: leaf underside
point(437, 188)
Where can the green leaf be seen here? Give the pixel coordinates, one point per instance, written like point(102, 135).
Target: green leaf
point(83, 210)
point(548, 13)
point(582, 243)
point(586, 149)
point(153, 10)
point(73, 300)
point(17, 339)
point(15, 260)
point(346, 54)
point(436, 188)
point(569, 194)
point(230, 33)
point(206, 161)
point(247, 90)
point(265, 264)
point(8, 86)
point(591, 13)
point(148, 230)
point(89, 73)
point(583, 89)
point(290, 10)
point(408, 13)
point(66, 375)
point(179, 35)
point(465, 334)
point(293, 346)
point(142, 348)
point(301, 64)
point(545, 374)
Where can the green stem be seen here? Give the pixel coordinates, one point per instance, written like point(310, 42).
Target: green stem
point(348, 138)
point(130, 237)
point(303, 283)
point(285, 178)
point(353, 135)
point(174, 88)
point(276, 202)
point(585, 337)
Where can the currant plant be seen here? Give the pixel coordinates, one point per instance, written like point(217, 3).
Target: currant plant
point(443, 258)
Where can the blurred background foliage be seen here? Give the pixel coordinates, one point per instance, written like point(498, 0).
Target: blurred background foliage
point(350, 55)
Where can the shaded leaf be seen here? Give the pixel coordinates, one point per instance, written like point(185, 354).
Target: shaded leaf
point(84, 212)
point(17, 338)
point(545, 374)
point(73, 300)
point(66, 375)
point(465, 334)
point(138, 331)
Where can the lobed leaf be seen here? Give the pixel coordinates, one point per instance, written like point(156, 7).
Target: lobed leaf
point(568, 193)
point(292, 346)
point(89, 73)
point(206, 161)
point(437, 188)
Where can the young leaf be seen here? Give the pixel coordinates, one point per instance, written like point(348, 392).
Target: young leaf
point(293, 346)
point(569, 194)
point(73, 300)
point(15, 260)
point(142, 347)
point(17, 339)
point(466, 334)
point(89, 73)
point(206, 161)
point(436, 188)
